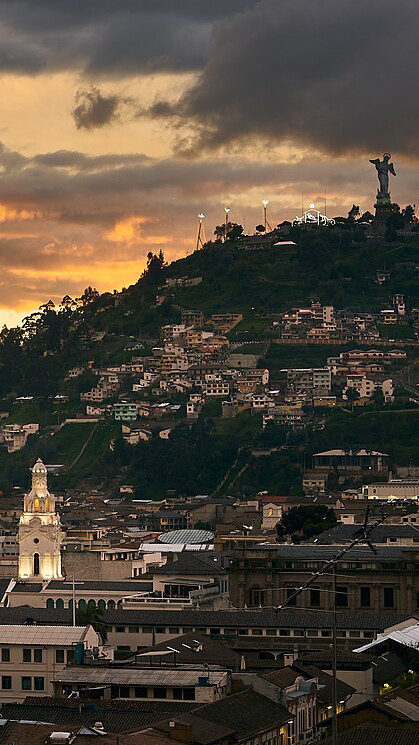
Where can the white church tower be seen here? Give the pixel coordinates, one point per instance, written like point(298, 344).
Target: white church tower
point(39, 532)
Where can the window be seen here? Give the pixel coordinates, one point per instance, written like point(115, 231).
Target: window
point(70, 656)
point(290, 591)
point(111, 604)
point(120, 629)
point(36, 563)
point(37, 655)
point(270, 632)
point(160, 629)
point(27, 655)
point(38, 683)
point(101, 604)
point(315, 598)
point(59, 656)
point(59, 603)
point(326, 634)
point(26, 683)
point(173, 629)
point(91, 603)
point(365, 597)
point(388, 597)
point(159, 692)
point(184, 694)
point(257, 632)
point(270, 511)
point(284, 632)
point(50, 603)
point(82, 604)
point(140, 692)
point(5, 654)
point(341, 596)
point(6, 682)
point(133, 629)
point(124, 691)
point(256, 596)
point(215, 631)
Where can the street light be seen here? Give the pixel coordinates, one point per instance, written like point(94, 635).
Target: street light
point(200, 236)
point(226, 210)
point(265, 203)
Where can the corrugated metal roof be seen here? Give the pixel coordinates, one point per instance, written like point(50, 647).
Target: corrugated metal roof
point(43, 635)
point(137, 676)
point(408, 637)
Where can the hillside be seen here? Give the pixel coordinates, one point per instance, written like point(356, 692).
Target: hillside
point(337, 267)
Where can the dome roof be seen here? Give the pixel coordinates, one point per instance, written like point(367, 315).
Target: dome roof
point(186, 536)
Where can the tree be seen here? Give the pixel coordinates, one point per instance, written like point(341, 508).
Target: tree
point(89, 295)
point(230, 231)
point(408, 214)
point(91, 615)
point(378, 397)
point(395, 221)
point(366, 217)
point(351, 396)
point(353, 213)
point(309, 519)
point(260, 228)
point(155, 264)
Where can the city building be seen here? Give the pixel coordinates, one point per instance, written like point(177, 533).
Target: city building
point(31, 656)
point(39, 532)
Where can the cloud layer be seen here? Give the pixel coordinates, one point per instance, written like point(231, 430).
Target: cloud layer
point(337, 76)
point(68, 218)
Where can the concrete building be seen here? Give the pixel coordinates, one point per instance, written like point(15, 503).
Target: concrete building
point(125, 411)
point(394, 489)
point(31, 656)
point(351, 461)
point(14, 436)
point(156, 684)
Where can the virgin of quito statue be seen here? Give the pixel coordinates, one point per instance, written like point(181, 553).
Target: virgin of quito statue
point(383, 206)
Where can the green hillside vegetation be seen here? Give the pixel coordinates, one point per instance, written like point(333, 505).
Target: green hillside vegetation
point(337, 266)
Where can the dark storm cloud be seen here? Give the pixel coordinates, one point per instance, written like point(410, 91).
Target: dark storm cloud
point(339, 76)
point(109, 38)
point(94, 109)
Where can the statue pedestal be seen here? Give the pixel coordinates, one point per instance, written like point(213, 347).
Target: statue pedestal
point(383, 210)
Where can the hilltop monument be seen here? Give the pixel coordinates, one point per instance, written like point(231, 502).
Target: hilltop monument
point(39, 532)
point(383, 206)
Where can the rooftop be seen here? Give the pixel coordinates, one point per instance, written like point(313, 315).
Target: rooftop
point(179, 677)
point(44, 635)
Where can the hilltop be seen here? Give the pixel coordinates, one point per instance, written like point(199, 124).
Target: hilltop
point(332, 266)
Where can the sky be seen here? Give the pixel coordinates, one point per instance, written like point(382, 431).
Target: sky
point(121, 121)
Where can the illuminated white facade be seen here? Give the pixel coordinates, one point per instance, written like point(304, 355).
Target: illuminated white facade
point(40, 533)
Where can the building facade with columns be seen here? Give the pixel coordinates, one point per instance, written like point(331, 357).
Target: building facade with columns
point(39, 533)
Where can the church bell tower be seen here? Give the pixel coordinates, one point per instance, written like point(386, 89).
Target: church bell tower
point(39, 532)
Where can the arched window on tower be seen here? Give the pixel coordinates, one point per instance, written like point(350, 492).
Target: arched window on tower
point(50, 603)
point(36, 505)
point(59, 603)
point(36, 564)
point(47, 505)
